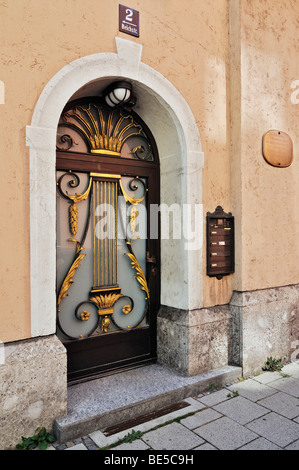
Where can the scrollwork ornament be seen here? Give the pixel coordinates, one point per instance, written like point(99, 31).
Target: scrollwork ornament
point(134, 186)
point(143, 151)
point(65, 138)
point(73, 198)
point(127, 309)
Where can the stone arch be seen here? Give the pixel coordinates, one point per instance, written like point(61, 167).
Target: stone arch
point(172, 123)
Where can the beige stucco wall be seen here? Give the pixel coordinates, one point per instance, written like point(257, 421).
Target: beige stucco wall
point(190, 45)
point(265, 199)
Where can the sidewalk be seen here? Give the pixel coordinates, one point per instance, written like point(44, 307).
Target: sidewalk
point(259, 413)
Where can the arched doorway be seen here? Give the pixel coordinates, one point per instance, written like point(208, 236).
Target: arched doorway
point(181, 161)
point(108, 267)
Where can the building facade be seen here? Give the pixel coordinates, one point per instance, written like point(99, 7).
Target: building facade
point(216, 100)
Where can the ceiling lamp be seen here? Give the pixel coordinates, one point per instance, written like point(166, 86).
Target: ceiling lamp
point(118, 93)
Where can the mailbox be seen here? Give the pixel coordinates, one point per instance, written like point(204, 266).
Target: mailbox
point(220, 243)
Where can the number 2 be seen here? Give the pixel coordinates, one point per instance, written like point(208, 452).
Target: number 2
point(129, 14)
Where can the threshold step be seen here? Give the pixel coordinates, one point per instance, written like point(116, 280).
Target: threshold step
point(115, 399)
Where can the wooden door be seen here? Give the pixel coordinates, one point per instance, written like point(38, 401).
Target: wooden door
point(108, 275)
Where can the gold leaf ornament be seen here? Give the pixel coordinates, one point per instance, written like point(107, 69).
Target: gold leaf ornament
point(140, 277)
point(106, 300)
point(105, 324)
point(133, 219)
point(74, 218)
point(127, 309)
point(85, 315)
point(68, 280)
point(73, 210)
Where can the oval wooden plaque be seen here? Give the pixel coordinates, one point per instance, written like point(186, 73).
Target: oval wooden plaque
point(278, 148)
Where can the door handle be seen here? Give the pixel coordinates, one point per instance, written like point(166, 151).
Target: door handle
point(151, 260)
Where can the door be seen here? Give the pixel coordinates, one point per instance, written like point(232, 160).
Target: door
point(108, 276)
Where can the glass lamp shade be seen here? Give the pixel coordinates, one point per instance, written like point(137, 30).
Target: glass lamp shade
point(118, 93)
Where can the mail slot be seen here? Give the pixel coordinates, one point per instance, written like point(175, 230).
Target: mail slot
point(220, 243)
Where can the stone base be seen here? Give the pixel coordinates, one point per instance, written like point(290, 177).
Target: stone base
point(193, 342)
point(255, 325)
point(33, 391)
point(264, 323)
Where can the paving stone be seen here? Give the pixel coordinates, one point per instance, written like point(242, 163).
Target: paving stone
point(292, 369)
point(260, 444)
point(101, 440)
point(226, 434)
point(288, 385)
point(77, 447)
point(136, 445)
point(293, 446)
point(60, 447)
point(215, 397)
point(252, 389)
point(196, 405)
point(70, 443)
point(173, 436)
point(89, 443)
point(267, 377)
point(241, 410)
point(206, 446)
point(283, 404)
point(200, 418)
point(276, 429)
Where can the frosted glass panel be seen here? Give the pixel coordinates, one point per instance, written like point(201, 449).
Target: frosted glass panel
point(127, 281)
point(101, 254)
point(66, 253)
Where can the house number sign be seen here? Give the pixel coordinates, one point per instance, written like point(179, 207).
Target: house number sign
point(128, 21)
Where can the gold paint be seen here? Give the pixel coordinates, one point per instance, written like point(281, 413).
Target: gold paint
point(126, 309)
point(94, 232)
point(68, 281)
point(105, 300)
point(105, 324)
point(109, 232)
point(98, 240)
point(94, 291)
point(73, 211)
point(105, 242)
point(106, 152)
point(74, 218)
point(105, 175)
point(106, 311)
point(133, 219)
point(79, 247)
point(113, 241)
point(85, 315)
point(116, 231)
point(140, 277)
point(81, 197)
point(102, 141)
point(102, 243)
point(130, 199)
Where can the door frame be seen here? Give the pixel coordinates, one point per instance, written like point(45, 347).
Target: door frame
point(181, 159)
point(98, 355)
